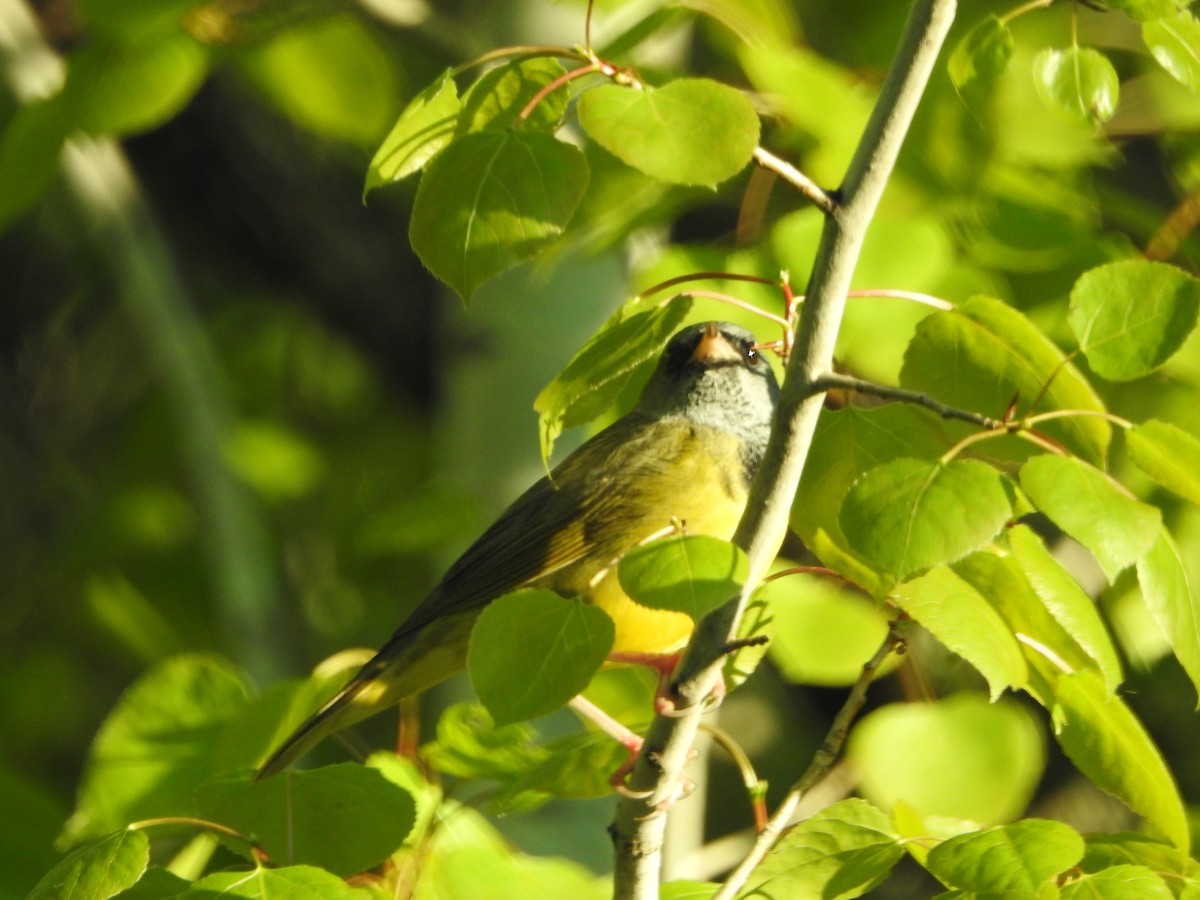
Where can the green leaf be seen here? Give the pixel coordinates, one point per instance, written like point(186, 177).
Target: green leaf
point(1046, 645)
point(1118, 883)
point(841, 852)
point(692, 131)
point(293, 883)
point(1167, 454)
point(577, 767)
point(1164, 581)
point(132, 18)
point(118, 88)
point(822, 631)
point(491, 200)
point(329, 74)
point(470, 745)
point(688, 573)
point(1107, 850)
point(531, 651)
point(849, 443)
point(1094, 510)
point(983, 355)
point(424, 128)
point(955, 613)
point(1175, 43)
point(29, 153)
point(157, 744)
point(344, 818)
point(1022, 856)
point(1132, 316)
point(596, 375)
point(496, 100)
point(1147, 10)
point(909, 515)
point(1108, 744)
point(1066, 601)
point(98, 870)
point(982, 55)
point(156, 884)
point(1078, 82)
point(964, 757)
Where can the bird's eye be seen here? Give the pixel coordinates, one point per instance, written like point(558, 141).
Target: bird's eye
point(751, 354)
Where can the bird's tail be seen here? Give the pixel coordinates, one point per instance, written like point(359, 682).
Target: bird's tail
point(411, 661)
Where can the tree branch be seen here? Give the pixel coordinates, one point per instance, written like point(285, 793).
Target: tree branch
point(834, 380)
point(640, 820)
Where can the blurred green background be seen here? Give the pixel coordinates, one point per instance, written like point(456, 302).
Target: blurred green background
point(241, 417)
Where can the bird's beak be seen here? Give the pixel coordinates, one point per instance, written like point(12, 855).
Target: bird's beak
point(714, 347)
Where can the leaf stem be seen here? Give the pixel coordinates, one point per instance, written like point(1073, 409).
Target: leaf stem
point(554, 85)
point(522, 51)
point(756, 788)
point(833, 380)
point(822, 762)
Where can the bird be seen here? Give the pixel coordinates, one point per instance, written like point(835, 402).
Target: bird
point(684, 456)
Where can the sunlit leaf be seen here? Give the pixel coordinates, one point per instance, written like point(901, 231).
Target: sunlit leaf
point(964, 757)
point(157, 744)
point(470, 745)
point(1118, 883)
point(1175, 43)
point(343, 818)
point(98, 870)
point(596, 375)
point(1066, 601)
point(955, 613)
point(1173, 604)
point(1084, 503)
point(690, 131)
point(1147, 10)
point(984, 355)
point(688, 573)
point(1107, 743)
point(1022, 856)
point(843, 851)
point(1167, 454)
point(423, 129)
point(1078, 82)
point(1132, 316)
point(908, 515)
point(531, 651)
point(496, 101)
point(296, 882)
point(492, 199)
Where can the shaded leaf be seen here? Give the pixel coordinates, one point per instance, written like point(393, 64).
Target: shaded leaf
point(1078, 82)
point(909, 515)
point(596, 375)
point(843, 851)
point(1108, 744)
point(424, 128)
point(983, 355)
point(688, 573)
point(1118, 883)
point(470, 745)
point(691, 131)
point(1084, 503)
point(98, 870)
point(29, 152)
point(1022, 856)
point(955, 613)
point(1163, 578)
point(491, 200)
point(982, 55)
point(344, 818)
point(1132, 316)
point(531, 651)
point(1167, 454)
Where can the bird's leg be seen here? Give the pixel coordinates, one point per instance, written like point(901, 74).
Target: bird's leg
point(664, 665)
point(627, 739)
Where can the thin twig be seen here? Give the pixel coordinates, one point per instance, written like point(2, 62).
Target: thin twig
point(796, 179)
point(822, 762)
point(835, 380)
